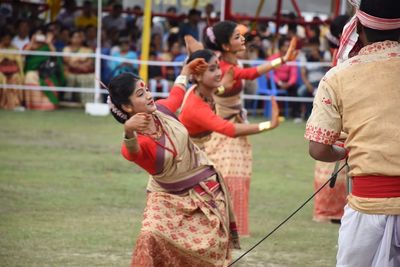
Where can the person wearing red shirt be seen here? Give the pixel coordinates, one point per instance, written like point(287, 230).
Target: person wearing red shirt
point(198, 114)
point(233, 156)
point(188, 220)
point(286, 75)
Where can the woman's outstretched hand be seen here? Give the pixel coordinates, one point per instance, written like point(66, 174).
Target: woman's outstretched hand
point(291, 53)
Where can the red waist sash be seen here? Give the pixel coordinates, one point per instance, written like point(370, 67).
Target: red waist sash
point(376, 186)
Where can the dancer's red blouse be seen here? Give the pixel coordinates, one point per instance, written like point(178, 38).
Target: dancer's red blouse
point(146, 157)
point(200, 120)
point(239, 75)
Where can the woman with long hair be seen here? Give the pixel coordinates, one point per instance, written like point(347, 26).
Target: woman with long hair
point(233, 156)
point(188, 219)
point(198, 109)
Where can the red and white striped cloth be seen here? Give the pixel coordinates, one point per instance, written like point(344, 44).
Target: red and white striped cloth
point(349, 37)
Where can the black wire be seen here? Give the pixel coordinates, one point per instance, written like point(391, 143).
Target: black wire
point(290, 216)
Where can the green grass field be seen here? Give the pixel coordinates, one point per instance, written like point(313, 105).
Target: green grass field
point(68, 198)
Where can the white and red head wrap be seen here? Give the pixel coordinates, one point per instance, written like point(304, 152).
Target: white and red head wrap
point(350, 36)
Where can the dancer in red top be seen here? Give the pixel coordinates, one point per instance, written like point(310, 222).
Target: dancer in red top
point(233, 156)
point(188, 220)
point(198, 114)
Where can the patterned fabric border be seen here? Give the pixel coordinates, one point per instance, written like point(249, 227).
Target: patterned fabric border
point(321, 135)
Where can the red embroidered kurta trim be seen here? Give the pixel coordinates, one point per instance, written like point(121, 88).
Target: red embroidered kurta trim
point(320, 135)
point(377, 47)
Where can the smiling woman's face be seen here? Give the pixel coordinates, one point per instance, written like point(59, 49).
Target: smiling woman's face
point(211, 78)
point(237, 41)
point(141, 100)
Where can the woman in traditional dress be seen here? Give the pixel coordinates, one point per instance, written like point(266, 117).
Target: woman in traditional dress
point(198, 114)
point(42, 71)
point(79, 71)
point(11, 72)
point(233, 156)
point(188, 219)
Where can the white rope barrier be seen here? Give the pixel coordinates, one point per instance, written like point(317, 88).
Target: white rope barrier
point(45, 53)
point(51, 88)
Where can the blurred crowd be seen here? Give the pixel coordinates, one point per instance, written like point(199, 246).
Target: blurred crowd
point(74, 30)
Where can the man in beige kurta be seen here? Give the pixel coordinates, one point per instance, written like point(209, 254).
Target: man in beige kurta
point(361, 96)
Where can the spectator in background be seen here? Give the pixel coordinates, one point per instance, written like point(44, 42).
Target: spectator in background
point(171, 21)
point(67, 17)
point(79, 71)
point(105, 40)
point(114, 19)
point(209, 12)
point(6, 14)
point(11, 72)
point(157, 43)
point(191, 26)
point(34, 19)
point(62, 39)
point(91, 37)
point(135, 25)
point(206, 18)
point(87, 17)
point(286, 75)
point(54, 28)
point(124, 51)
point(42, 71)
point(174, 53)
point(311, 75)
point(156, 75)
point(113, 37)
point(22, 37)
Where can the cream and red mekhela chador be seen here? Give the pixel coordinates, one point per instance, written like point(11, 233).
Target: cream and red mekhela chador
point(329, 202)
point(11, 72)
point(188, 219)
point(361, 96)
point(233, 156)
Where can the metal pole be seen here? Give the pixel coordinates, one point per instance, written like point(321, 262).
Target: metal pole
point(97, 94)
point(278, 16)
point(222, 13)
point(343, 7)
point(146, 39)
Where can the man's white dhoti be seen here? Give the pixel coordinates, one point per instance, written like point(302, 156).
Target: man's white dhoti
point(368, 240)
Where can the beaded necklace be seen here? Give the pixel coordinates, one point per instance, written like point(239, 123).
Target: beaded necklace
point(209, 101)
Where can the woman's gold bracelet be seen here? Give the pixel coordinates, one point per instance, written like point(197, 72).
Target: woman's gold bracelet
point(263, 126)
